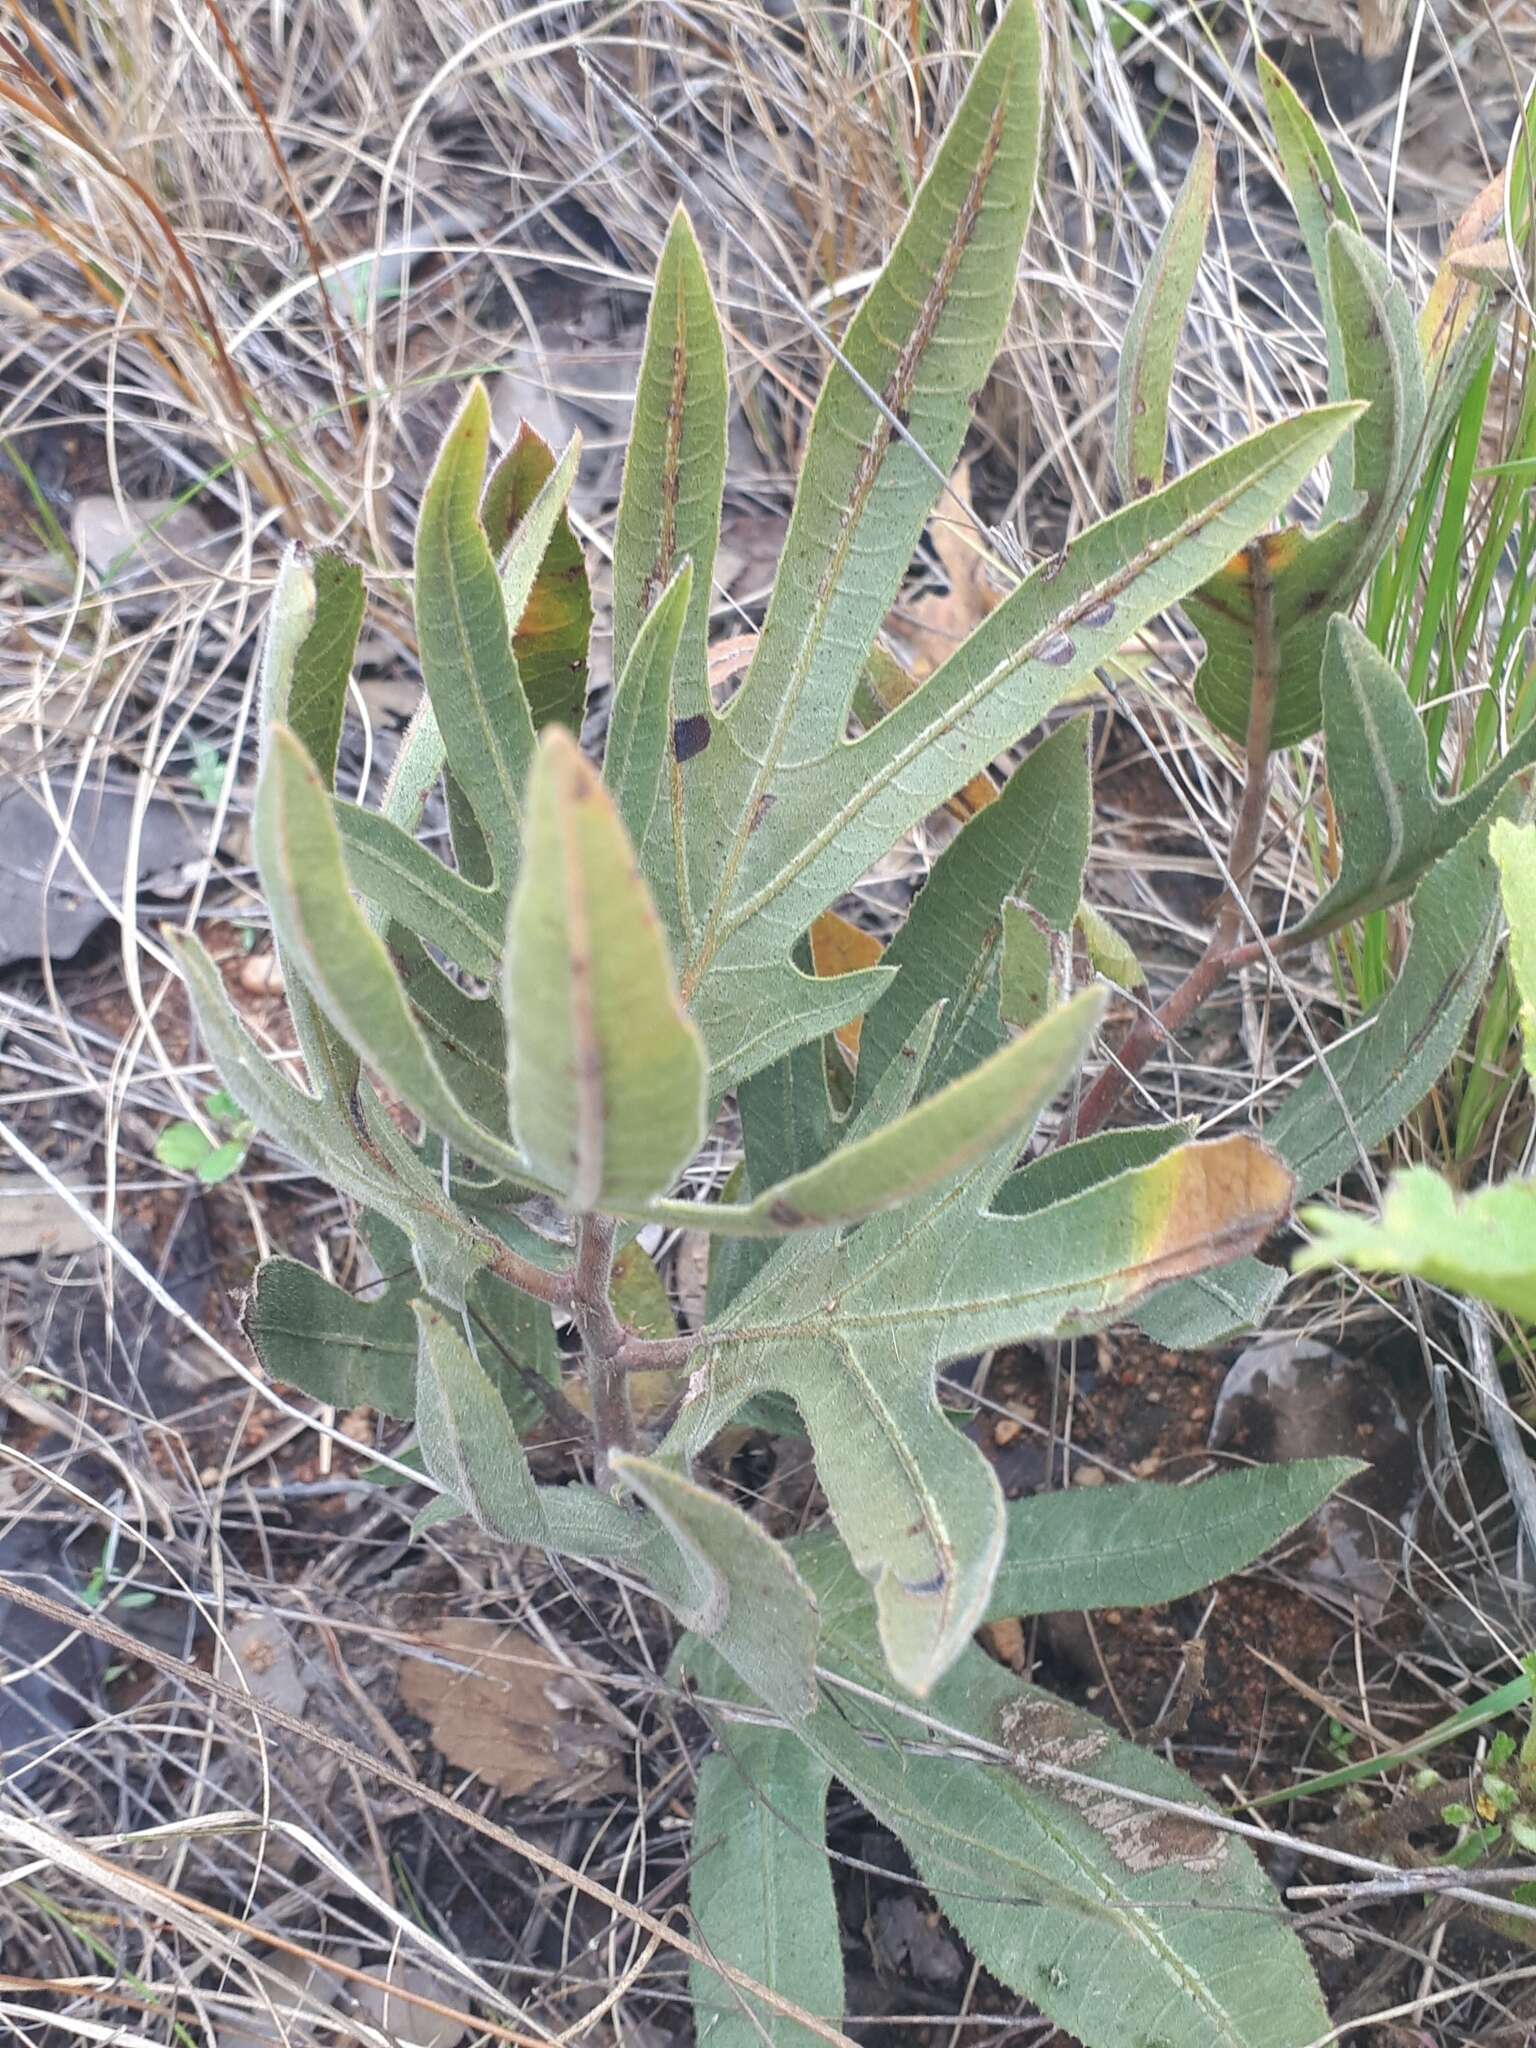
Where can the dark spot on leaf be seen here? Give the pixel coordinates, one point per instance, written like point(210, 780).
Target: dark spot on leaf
point(760, 810)
point(926, 1589)
point(1098, 615)
point(690, 736)
point(1056, 651)
point(785, 1214)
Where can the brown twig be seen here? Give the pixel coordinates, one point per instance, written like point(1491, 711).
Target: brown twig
point(1222, 954)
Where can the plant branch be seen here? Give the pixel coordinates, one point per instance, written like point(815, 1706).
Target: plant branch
point(602, 1340)
point(1221, 954)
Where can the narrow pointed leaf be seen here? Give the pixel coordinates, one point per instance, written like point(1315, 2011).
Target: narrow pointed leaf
point(1031, 843)
point(1068, 1170)
point(1389, 1065)
point(760, 1887)
point(732, 1575)
point(605, 1074)
point(1142, 1544)
point(344, 961)
point(305, 667)
point(467, 1439)
point(552, 621)
point(467, 664)
point(1088, 1903)
point(674, 472)
point(410, 886)
point(1320, 198)
point(923, 341)
point(315, 1132)
point(640, 763)
point(1392, 825)
point(465, 1033)
point(1069, 1890)
point(1152, 332)
point(317, 610)
point(1482, 1244)
point(801, 838)
point(943, 1135)
point(1313, 575)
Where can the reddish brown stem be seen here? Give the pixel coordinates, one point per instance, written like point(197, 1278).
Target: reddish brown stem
point(1221, 955)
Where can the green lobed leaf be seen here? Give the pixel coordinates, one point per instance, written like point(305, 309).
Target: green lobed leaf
point(467, 666)
point(605, 1074)
point(343, 960)
point(1314, 575)
point(552, 622)
point(1482, 1244)
point(1142, 1544)
point(674, 470)
point(760, 1888)
point(182, 1147)
point(1320, 198)
point(853, 1332)
point(1030, 844)
point(1066, 1887)
point(1514, 851)
point(336, 1347)
point(1391, 824)
point(789, 844)
point(1151, 339)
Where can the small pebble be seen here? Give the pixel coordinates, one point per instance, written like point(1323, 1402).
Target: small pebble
point(261, 975)
point(1088, 1475)
point(1006, 1430)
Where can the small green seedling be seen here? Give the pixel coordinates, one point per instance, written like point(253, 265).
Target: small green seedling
point(186, 1149)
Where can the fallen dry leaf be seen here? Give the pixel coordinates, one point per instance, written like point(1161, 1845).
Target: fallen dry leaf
point(839, 947)
point(508, 1709)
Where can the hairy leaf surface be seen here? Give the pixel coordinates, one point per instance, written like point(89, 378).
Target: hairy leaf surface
point(1151, 339)
point(1392, 825)
point(761, 1889)
point(605, 1074)
point(1142, 1544)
